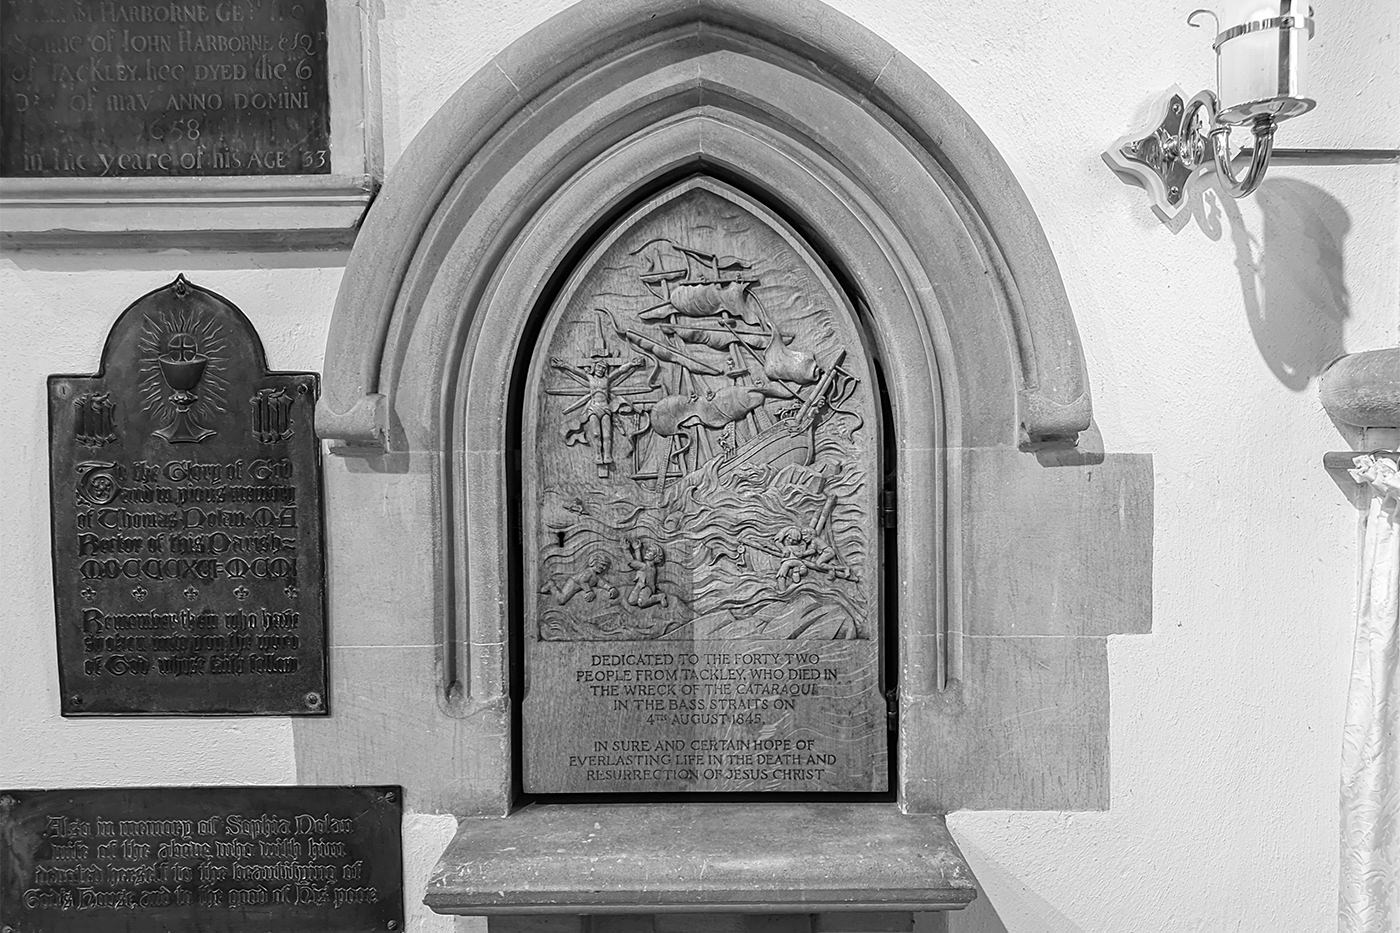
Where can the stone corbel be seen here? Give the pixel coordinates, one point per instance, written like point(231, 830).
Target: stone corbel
point(361, 427)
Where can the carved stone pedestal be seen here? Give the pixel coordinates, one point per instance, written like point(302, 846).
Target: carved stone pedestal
point(1363, 389)
point(1361, 393)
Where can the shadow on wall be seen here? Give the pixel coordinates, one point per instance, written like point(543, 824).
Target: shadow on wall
point(1004, 902)
point(1291, 276)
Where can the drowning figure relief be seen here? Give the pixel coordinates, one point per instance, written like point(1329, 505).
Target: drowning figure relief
point(716, 378)
point(645, 560)
point(588, 582)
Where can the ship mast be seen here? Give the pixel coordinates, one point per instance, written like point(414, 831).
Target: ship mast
point(805, 413)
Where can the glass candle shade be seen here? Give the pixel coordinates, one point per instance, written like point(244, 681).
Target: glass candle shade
point(1261, 60)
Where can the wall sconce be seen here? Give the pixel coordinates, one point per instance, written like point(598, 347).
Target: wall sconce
point(1261, 67)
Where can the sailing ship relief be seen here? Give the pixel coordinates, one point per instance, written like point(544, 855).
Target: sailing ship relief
point(701, 441)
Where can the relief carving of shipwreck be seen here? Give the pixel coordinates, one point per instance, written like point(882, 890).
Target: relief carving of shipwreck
point(701, 438)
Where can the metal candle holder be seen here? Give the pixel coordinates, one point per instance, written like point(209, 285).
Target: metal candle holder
point(1260, 70)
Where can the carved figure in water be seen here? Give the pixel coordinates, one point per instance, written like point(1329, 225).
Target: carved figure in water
point(807, 549)
point(588, 581)
point(796, 547)
point(645, 558)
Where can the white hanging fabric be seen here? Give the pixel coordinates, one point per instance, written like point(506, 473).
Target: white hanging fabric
point(1370, 818)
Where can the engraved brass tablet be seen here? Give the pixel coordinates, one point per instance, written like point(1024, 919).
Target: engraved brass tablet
point(185, 482)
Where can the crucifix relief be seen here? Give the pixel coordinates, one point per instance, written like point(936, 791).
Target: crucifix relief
point(598, 383)
point(700, 540)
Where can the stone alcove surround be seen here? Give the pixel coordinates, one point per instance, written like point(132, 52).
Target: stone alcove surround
point(1019, 552)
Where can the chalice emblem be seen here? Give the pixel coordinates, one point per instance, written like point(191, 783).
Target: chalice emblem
point(182, 367)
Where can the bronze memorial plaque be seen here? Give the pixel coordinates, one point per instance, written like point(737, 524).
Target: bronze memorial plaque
point(701, 547)
point(202, 860)
point(185, 484)
point(107, 88)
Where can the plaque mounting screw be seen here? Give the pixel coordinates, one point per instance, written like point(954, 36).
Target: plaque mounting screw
point(313, 700)
point(76, 699)
point(389, 796)
point(6, 802)
point(393, 925)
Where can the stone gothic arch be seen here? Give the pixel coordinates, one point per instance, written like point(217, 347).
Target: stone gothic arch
point(906, 199)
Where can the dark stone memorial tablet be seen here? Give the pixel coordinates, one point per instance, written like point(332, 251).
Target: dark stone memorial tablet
point(163, 87)
point(701, 532)
point(202, 860)
point(185, 483)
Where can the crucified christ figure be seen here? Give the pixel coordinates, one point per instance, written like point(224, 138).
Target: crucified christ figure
point(597, 384)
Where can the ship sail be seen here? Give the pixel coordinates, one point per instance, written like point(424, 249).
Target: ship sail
point(717, 338)
point(783, 363)
point(707, 299)
point(672, 414)
point(664, 352)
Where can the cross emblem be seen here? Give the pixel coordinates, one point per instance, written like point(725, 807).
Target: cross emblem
point(181, 347)
point(599, 386)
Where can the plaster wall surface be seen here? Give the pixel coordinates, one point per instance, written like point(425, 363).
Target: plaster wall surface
point(1202, 346)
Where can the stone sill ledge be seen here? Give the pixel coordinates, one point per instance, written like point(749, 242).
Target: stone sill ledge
point(689, 857)
point(239, 212)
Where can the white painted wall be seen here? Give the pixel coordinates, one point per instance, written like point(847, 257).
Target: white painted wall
point(1201, 346)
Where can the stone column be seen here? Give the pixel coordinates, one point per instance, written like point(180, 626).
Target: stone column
point(1362, 393)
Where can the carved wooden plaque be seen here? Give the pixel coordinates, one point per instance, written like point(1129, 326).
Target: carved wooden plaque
point(701, 550)
point(202, 860)
point(185, 484)
point(96, 88)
